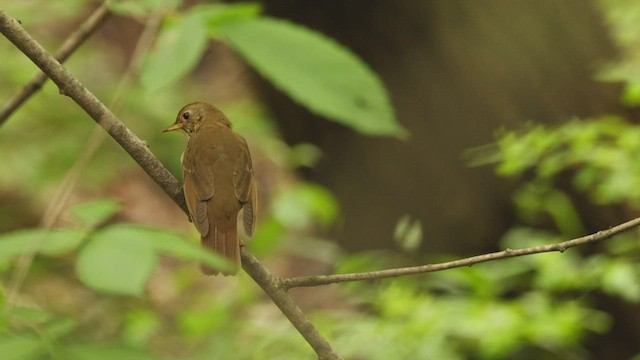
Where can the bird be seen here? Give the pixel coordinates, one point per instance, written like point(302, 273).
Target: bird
point(218, 181)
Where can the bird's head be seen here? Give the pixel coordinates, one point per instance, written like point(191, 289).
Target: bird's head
point(191, 117)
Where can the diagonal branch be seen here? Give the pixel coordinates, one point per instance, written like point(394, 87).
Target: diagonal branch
point(309, 281)
point(138, 150)
point(67, 48)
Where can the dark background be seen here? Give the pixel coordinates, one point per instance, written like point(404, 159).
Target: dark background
point(456, 72)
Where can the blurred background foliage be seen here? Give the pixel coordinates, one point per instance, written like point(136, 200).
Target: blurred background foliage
point(116, 278)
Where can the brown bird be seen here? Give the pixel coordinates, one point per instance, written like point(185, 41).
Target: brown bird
point(218, 181)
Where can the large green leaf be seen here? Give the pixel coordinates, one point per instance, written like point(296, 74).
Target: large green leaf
point(48, 242)
point(180, 46)
point(215, 16)
point(317, 72)
point(183, 40)
point(118, 259)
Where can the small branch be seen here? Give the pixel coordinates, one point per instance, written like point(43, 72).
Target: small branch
point(309, 281)
point(137, 149)
point(70, 45)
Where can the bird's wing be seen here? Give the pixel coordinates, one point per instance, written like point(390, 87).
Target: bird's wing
point(198, 186)
point(244, 186)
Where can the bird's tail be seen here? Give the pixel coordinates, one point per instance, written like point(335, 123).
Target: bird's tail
point(222, 239)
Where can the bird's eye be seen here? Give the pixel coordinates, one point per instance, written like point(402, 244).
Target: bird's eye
point(185, 115)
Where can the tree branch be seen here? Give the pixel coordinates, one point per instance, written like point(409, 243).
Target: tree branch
point(70, 45)
point(138, 150)
point(309, 281)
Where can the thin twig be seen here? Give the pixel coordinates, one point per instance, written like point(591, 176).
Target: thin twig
point(309, 281)
point(70, 86)
point(70, 45)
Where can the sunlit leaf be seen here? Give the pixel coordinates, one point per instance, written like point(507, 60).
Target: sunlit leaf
point(117, 260)
point(317, 72)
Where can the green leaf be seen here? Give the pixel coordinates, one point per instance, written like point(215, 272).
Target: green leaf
point(52, 242)
point(93, 213)
point(178, 50)
point(317, 72)
point(117, 260)
point(215, 16)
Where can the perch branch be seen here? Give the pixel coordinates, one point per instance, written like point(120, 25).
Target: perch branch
point(67, 48)
point(309, 281)
point(138, 150)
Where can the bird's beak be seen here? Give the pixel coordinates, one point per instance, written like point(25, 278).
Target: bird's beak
point(176, 126)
